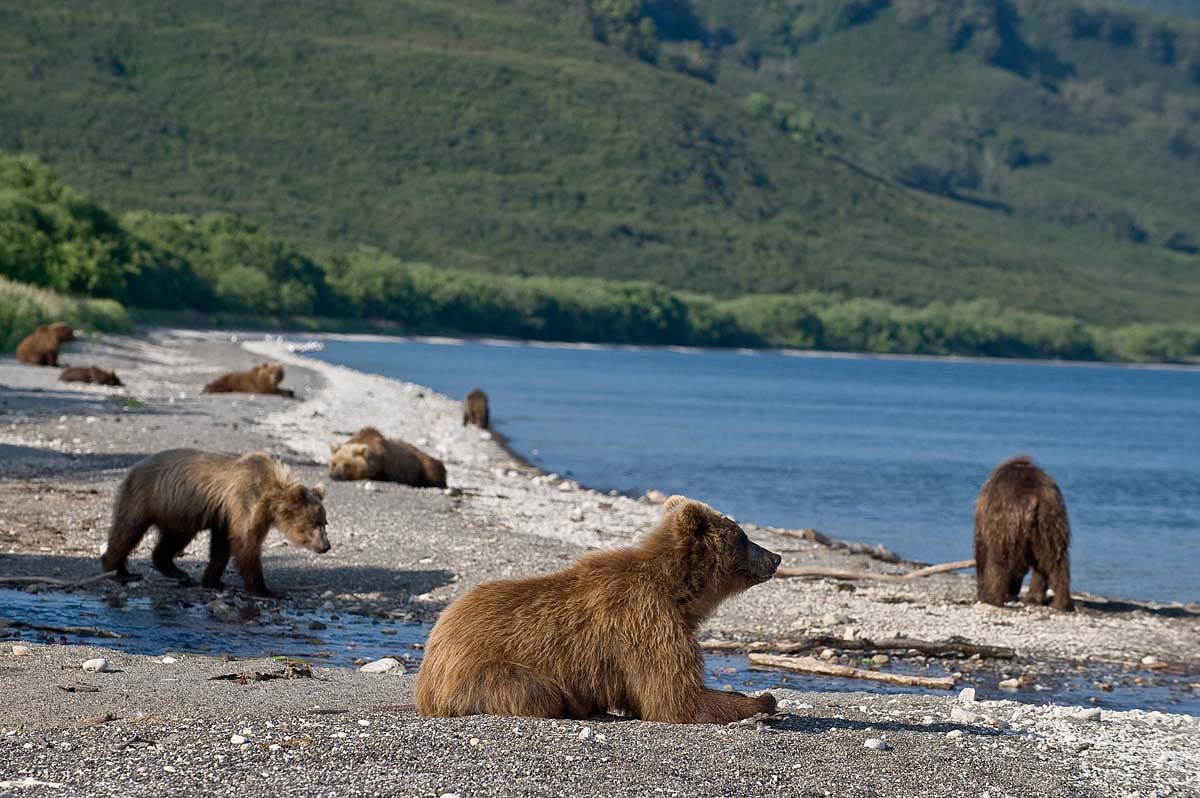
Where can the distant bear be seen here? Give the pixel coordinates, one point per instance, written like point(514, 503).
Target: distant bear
point(1021, 523)
point(616, 630)
point(92, 374)
point(475, 409)
point(182, 491)
point(263, 378)
point(369, 455)
point(40, 347)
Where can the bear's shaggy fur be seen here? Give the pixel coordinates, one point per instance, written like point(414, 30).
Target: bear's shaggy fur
point(182, 491)
point(616, 630)
point(92, 374)
point(369, 455)
point(263, 378)
point(1021, 524)
point(40, 347)
point(475, 409)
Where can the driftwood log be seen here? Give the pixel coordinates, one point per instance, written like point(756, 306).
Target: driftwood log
point(53, 582)
point(819, 668)
point(834, 573)
point(944, 648)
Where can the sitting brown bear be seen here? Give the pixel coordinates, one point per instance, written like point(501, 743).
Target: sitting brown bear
point(92, 374)
point(475, 409)
point(615, 630)
point(369, 455)
point(1021, 523)
point(40, 347)
point(182, 491)
point(263, 378)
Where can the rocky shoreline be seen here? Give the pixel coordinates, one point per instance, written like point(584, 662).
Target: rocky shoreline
point(405, 553)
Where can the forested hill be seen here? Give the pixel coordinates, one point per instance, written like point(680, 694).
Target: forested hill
point(1042, 153)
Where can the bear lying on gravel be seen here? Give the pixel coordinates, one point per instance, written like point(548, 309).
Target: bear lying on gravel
point(40, 347)
point(616, 630)
point(263, 378)
point(92, 374)
point(1021, 523)
point(475, 409)
point(182, 491)
point(369, 455)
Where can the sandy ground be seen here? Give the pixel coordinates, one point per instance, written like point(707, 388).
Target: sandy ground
point(406, 552)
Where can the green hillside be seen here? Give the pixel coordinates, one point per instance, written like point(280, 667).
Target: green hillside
point(910, 150)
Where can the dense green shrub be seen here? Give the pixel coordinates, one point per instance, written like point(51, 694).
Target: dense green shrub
point(23, 308)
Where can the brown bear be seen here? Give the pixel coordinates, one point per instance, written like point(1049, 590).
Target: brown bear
point(239, 499)
point(616, 630)
point(1021, 523)
point(263, 378)
point(369, 455)
point(92, 374)
point(40, 347)
point(475, 409)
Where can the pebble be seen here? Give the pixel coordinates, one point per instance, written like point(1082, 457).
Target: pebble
point(876, 744)
point(1150, 659)
point(473, 741)
point(168, 660)
point(960, 715)
point(1092, 714)
point(828, 653)
point(1010, 684)
point(98, 665)
point(452, 491)
point(585, 733)
point(967, 695)
point(237, 739)
point(655, 496)
point(954, 734)
point(577, 514)
point(384, 665)
point(21, 651)
point(880, 659)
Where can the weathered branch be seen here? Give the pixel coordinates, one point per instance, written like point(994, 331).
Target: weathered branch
point(49, 580)
point(819, 668)
point(943, 648)
point(834, 573)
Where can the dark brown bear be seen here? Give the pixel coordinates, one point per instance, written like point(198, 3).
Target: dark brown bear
point(40, 347)
point(92, 374)
point(1021, 524)
point(616, 630)
point(263, 378)
point(369, 455)
point(182, 491)
point(475, 409)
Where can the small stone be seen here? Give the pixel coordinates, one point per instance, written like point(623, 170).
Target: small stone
point(585, 733)
point(830, 620)
point(954, 734)
point(960, 715)
point(237, 739)
point(880, 659)
point(655, 496)
point(851, 633)
point(1092, 714)
point(473, 741)
point(828, 653)
point(384, 665)
point(876, 744)
point(368, 486)
point(566, 486)
point(168, 660)
point(1010, 684)
point(577, 514)
point(967, 695)
point(98, 665)
point(21, 651)
point(1150, 659)
point(452, 492)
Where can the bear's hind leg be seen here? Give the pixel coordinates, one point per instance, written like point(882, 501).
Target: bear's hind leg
point(1060, 583)
point(218, 557)
point(508, 689)
point(1037, 588)
point(170, 544)
point(123, 537)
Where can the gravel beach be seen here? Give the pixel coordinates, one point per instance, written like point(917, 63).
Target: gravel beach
point(145, 727)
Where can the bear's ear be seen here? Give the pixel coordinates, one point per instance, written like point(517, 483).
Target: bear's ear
point(297, 494)
point(319, 490)
point(333, 448)
point(359, 450)
point(673, 501)
point(691, 517)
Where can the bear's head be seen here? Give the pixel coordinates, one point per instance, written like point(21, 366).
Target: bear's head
point(300, 516)
point(61, 331)
point(108, 378)
point(271, 374)
point(712, 556)
point(349, 461)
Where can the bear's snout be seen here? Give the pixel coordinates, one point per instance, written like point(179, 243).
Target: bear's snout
point(763, 562)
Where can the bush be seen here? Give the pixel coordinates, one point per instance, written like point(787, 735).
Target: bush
point(24, 308)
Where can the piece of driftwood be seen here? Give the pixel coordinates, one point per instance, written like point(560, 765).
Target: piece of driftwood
point(53, 582)
point(941, 648)
point(82, 631)
point(819, 668)
point(835, 573)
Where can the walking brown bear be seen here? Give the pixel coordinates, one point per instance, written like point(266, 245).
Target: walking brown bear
point(40, 347)
point(1021, 524)
point(239, 499)
point(617, 629)
point(92, 374)
point(475, 409)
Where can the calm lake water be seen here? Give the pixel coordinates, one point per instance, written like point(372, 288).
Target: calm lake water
point(874, 450)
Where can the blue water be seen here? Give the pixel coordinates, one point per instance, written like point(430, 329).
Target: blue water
point(876, 450)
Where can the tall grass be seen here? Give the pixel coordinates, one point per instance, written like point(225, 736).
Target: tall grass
point(23, 308)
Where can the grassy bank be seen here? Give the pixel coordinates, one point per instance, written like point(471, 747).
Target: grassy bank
point(24, 307)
